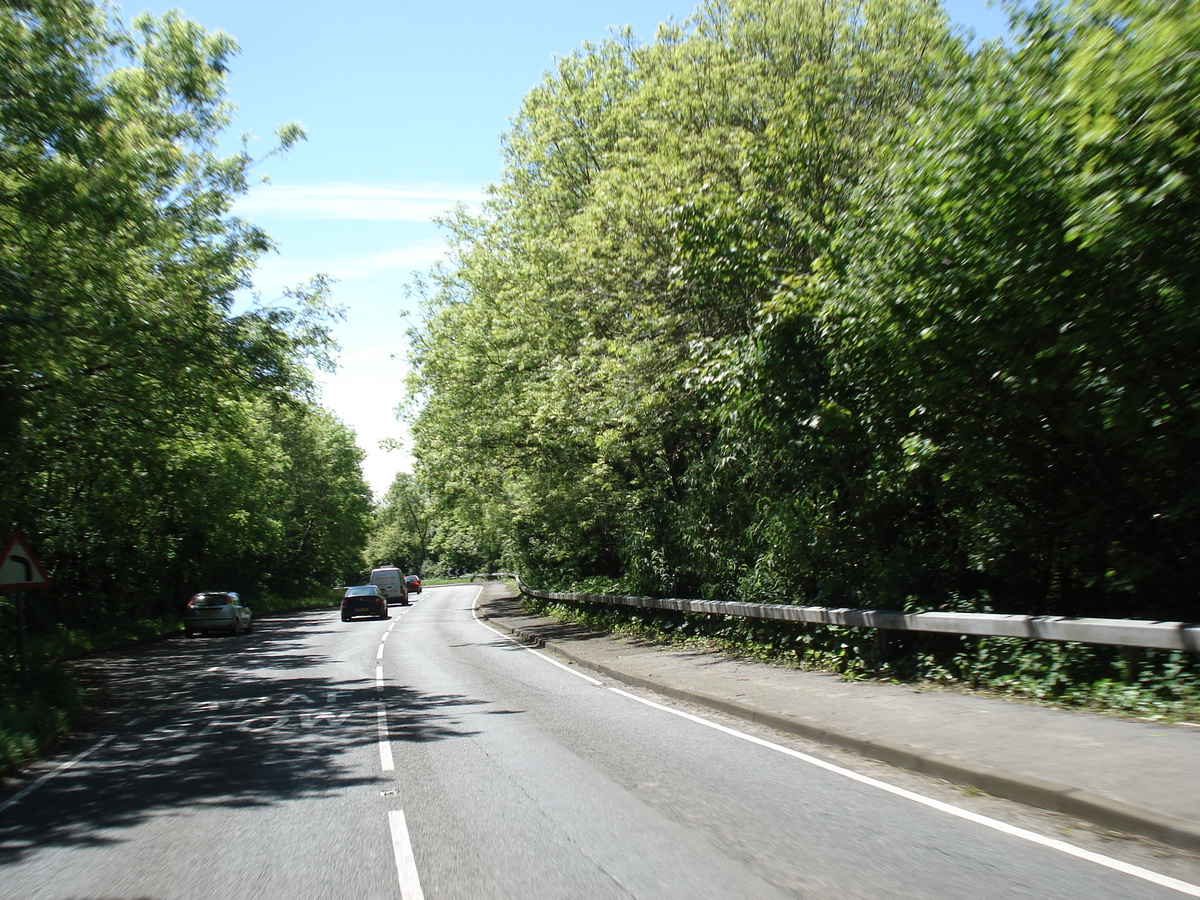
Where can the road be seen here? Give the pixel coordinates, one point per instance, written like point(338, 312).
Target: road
point(429, 756)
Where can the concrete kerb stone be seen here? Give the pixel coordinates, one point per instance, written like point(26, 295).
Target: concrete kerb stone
point(1028, 790)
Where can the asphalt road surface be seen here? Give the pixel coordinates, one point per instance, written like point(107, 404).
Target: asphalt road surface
point(429, 756)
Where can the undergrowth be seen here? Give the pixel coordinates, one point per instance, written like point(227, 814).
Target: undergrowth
point(38, 706)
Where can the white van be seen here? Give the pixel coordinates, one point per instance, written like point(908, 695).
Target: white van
point(390, 582)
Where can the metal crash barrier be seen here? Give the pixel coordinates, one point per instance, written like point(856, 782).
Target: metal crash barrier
point(1113, 632)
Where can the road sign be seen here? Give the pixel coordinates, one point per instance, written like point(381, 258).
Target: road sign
point(19, 568)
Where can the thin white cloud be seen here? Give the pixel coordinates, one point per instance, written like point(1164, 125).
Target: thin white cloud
point(288, 270)
point(362, 202)
point(414, 257)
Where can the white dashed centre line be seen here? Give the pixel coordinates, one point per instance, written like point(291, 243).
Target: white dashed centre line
point(406, 865)
point(385, 742)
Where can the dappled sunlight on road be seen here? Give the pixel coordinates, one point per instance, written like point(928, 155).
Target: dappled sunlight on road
point(239, 722)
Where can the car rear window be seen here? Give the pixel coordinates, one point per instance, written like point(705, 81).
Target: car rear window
point(211, 600)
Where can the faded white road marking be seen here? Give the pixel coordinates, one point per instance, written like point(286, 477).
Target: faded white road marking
point(62, 767)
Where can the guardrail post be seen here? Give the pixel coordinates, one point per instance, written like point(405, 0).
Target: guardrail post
point(1132, 658)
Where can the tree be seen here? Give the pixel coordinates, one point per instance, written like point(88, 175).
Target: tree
point(403, 529)
point(148, 425)
point(578, 354)
point(1003, 410)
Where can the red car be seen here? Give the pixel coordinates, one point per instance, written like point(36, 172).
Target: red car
point(414, 584)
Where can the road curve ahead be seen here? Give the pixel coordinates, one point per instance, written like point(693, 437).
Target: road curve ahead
point(429, 756)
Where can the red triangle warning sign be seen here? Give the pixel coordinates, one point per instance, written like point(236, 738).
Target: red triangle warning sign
point(19, 568)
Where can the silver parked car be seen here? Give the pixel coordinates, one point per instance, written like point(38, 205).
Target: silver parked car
point(216, 611)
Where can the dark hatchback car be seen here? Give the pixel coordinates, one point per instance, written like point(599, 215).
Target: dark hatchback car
point(364, 600)
point(413, 583)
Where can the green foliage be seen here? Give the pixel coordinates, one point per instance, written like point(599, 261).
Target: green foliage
point(811, 302)
point(402, 528)
point(578, 350)
point(38, 708)
point(155, 442)
point(1015, 415)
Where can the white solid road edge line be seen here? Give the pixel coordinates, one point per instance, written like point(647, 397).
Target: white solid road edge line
point(406, 864)
point(57, 770)
point(554, 662)
point(1166, 881)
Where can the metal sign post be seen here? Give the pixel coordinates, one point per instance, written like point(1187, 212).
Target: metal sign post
point(21, 634)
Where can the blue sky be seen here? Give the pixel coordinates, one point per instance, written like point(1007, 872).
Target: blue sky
point(404, 102)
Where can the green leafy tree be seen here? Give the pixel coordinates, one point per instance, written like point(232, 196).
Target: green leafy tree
point(156, 441)
point(578, 353)
point(402, 529)
point(1001, 412)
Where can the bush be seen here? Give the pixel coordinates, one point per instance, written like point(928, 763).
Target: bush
point(38, 707)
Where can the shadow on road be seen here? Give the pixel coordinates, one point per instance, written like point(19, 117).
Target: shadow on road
point(535, 629)
point(235, 722)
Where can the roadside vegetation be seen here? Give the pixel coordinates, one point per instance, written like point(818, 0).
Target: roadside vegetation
point(402, 529)
point(824, 303)
point(811, 301)
point(162, 432)
point(1151, 684)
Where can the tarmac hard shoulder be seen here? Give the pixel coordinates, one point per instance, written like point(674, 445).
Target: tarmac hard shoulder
point(1124, 774)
